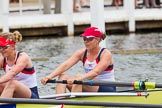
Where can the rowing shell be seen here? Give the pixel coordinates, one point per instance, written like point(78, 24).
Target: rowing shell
point(95, 100)
point(149, 97)
point(153, 97)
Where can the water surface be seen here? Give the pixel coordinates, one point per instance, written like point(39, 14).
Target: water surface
point(48, 52)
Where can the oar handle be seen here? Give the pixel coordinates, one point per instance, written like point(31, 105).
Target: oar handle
point(64, 81)
point(57, 81)
point(77, 82)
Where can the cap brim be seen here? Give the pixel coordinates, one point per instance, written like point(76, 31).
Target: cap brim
point(87, 36)
point(83, 35)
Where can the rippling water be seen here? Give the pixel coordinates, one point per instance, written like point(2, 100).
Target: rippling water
point(49, 52)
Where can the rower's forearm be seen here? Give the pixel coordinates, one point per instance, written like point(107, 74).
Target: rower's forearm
point(59, 70)
point(6, 77)
point(89, 75)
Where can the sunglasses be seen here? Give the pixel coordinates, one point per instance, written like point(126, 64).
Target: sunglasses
point(88, 39)
point(3, 47)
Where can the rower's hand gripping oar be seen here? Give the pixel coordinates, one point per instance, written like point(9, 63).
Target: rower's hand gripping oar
point(57, 81)
point(140, 85)
point(65, 82)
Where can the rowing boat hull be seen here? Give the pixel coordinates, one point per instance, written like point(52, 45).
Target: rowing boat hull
point(45, 106)
point(153, 98)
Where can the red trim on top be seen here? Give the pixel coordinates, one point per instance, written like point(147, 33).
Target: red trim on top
point(108, 69)
point(4, 66)
point(84, 60)
point(28, 72)
point(97, 60)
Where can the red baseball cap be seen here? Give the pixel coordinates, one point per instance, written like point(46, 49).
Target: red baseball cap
point(92, 32)
point(4, 41)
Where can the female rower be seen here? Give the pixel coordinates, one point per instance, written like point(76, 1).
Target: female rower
point(97, 62)
point(19, 78)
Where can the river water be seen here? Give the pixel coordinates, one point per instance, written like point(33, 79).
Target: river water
point(48, 52)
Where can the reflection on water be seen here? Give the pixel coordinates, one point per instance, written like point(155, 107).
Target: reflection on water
point(132, 67)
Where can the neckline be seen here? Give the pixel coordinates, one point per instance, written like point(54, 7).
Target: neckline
point(96, 56)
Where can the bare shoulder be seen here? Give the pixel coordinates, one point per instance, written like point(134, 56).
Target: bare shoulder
point(107, 52)
point(24, 56)
point(107, 56)
point(80, 51)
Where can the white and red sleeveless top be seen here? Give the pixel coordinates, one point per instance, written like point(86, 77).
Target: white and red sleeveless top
point(106, 75)
point(27, 76)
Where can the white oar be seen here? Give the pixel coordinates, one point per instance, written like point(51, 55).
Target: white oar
point(72, 102)
point(76, 94)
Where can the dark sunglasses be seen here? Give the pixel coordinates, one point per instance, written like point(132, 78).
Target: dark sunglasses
point(3, 47)
point(88, 39)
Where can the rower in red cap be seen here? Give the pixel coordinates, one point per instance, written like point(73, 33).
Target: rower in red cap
point(97, 62)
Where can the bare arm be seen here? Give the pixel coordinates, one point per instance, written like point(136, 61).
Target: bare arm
point(21, 63)
point(65, 65)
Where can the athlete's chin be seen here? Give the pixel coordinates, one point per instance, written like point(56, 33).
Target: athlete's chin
point(87, 47)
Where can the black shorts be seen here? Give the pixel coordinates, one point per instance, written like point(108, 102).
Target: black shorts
point(34, 91)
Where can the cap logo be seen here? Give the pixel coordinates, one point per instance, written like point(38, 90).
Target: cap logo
point(97, 29)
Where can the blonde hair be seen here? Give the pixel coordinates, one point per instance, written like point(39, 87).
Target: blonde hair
point(104, 36)
point(15, 36)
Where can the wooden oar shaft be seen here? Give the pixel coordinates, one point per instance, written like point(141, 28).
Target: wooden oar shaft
point(71, 102)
